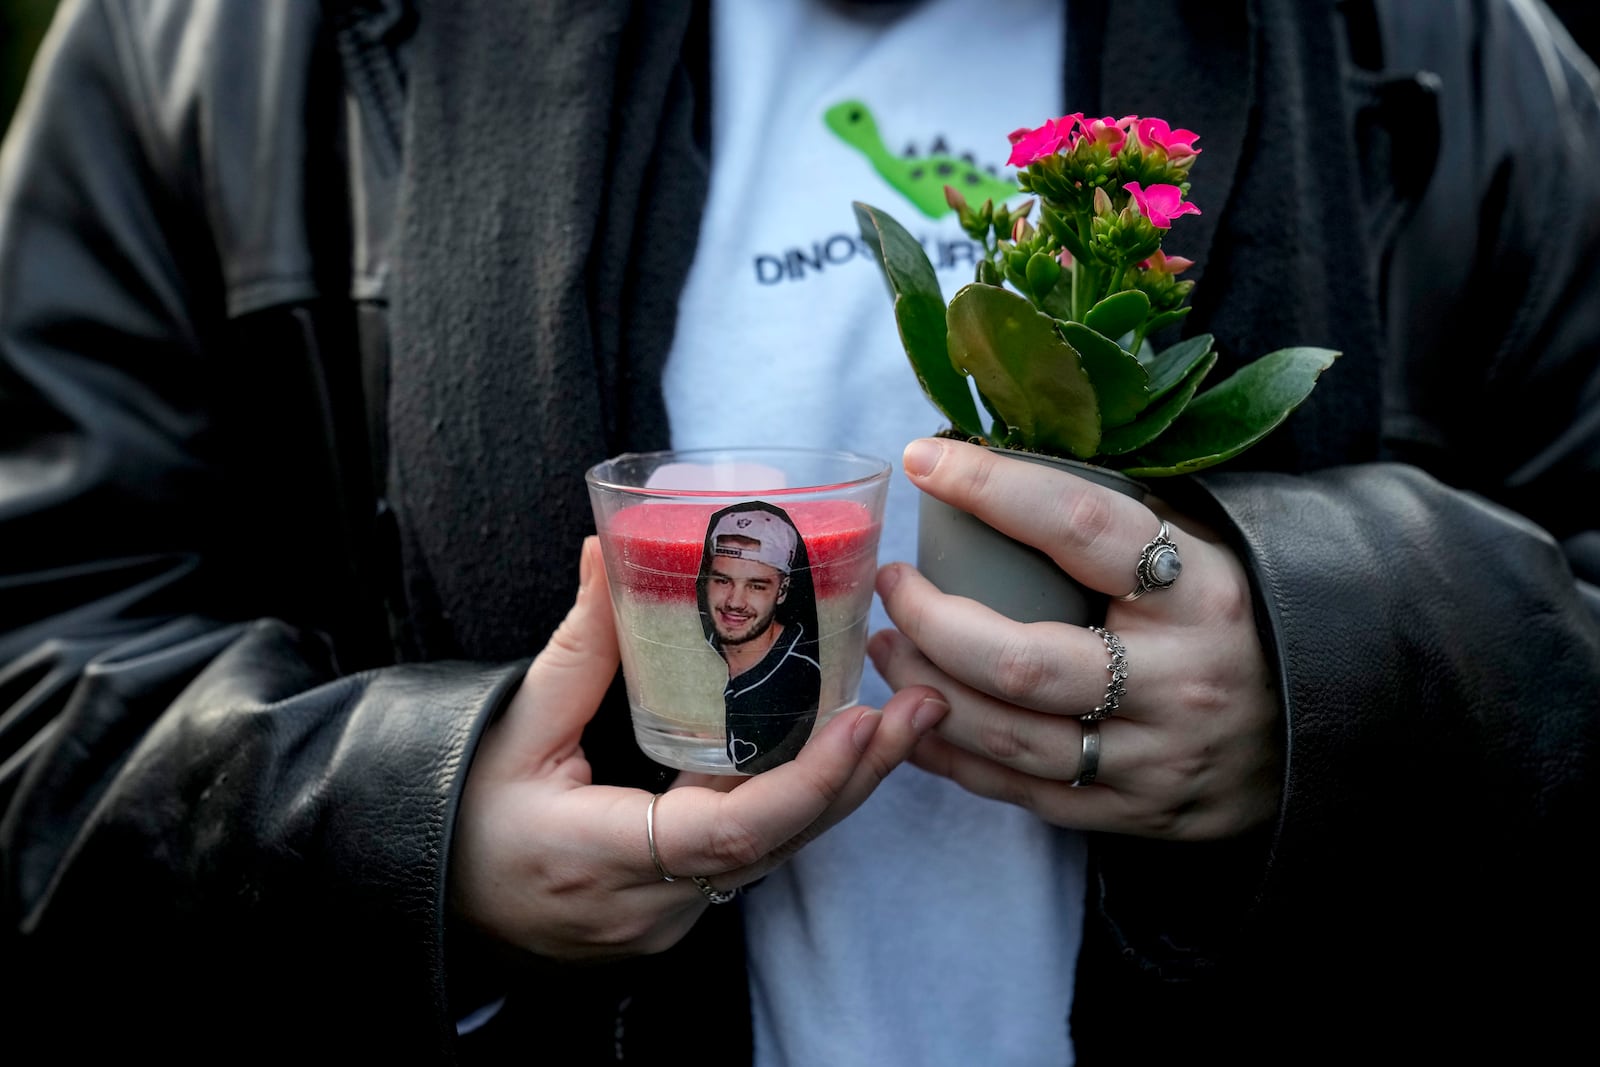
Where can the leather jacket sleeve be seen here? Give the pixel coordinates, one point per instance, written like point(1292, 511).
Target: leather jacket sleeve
point(214, 834)
point(1434, 623)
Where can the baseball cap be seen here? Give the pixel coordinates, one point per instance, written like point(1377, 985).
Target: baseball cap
point(775, 539)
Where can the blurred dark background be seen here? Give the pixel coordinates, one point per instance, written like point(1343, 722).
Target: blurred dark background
point(22, 23)
point(1583, 22)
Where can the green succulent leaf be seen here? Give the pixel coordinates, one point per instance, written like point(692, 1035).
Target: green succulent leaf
point(1154, 420)
point(1235, 414)
point(1172, 364)
point(1165, 319)
point(998, 430)
point(1029, 375)
point(1118, 313)
point(920, 313)
point(1120, 381)
point(1057, 303)
point(924, 336)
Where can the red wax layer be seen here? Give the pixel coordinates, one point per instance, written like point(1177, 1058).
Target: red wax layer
point(659, 545)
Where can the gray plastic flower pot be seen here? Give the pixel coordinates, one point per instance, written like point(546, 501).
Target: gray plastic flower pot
point(965, 556)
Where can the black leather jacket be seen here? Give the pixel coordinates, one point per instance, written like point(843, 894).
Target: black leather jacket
point(231, 743)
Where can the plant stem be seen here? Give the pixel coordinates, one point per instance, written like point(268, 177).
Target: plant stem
point(1080, 293)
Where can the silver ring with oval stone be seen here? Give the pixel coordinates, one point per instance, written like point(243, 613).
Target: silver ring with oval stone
point(1159, 565)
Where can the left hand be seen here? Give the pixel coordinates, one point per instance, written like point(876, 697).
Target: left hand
point(548, 862)
point(1193, 753)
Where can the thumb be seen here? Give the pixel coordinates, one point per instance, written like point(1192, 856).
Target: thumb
point(564, 686)
point(589, 631)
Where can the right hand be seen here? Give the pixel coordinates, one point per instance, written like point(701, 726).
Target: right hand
point(1193, 754)
point(549, 862)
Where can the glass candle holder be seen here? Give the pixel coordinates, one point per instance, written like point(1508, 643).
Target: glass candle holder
point(741, 581)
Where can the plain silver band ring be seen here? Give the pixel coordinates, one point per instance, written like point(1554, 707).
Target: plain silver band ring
point(712, 893)
point(1160, 552)
point(650, 835)
point(1090, 765)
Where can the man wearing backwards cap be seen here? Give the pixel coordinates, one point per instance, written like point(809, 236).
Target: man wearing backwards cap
point(755, 565)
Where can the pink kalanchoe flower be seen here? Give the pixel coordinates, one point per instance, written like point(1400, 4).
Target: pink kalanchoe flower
point(1160, 203)
point(1160, 261)
point(1107, 131)
point(1178, 144)
point(1028, 146)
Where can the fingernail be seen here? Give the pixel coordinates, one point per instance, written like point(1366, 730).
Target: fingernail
point(586, 564)
point(920, 456)
point(888, 578)
point(867, 725)
point(878, 648)
point(929, 713)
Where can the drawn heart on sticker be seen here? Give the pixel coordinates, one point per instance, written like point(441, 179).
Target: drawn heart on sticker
point(740, 750)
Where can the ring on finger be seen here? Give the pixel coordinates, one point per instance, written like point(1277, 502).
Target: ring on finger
point(709, 891)
point(650, 835)
point(1089, 766)
point(1159, 565)
point(1117, 686)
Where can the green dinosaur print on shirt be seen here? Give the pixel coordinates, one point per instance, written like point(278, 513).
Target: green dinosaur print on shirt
point(920, 179)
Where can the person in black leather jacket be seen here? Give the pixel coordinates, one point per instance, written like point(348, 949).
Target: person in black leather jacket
point(276, 774)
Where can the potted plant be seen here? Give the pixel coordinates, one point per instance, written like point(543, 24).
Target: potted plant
point(1051, 340)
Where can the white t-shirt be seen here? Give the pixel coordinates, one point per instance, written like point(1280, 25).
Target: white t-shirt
point(932, 926)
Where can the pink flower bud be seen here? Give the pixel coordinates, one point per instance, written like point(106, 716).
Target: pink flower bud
point(1165, 264)
point(1102, 201)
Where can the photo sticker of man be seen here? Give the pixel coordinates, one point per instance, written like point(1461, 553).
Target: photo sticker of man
point(758, 609)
